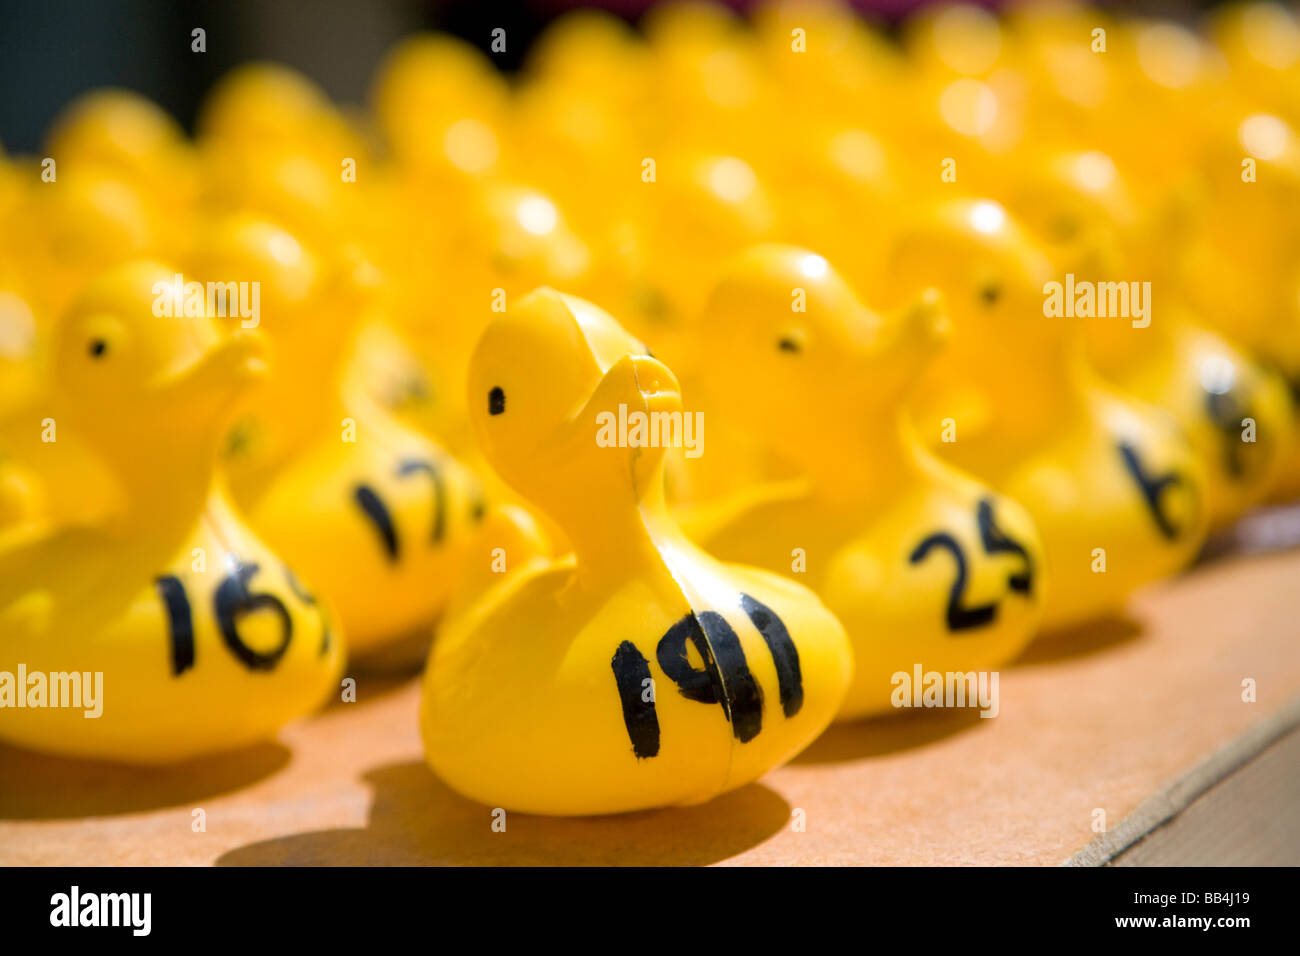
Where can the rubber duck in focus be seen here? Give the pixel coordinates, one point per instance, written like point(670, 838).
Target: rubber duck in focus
point(169, 624)
point(638, 672)
point(919, 561)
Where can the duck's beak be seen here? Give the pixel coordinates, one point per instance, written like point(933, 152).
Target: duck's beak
point(925, 322)
point(639, 382)
point(224, 371)
point(909, 340)
point(635, 386)
point(360, 278)
point(1097, 255)
point(656, 384)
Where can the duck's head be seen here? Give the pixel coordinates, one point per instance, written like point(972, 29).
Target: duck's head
point(90, 220)
point(125, 132)
point(989, 270)
point(543, 379)
point(589, 48)
point(705, 58)
point(955, 38)
point(21, 371)
point(702, 207)
point(267, 108)
point(1078, 207)
point(439, 102)
point(529, 238)
point(801, 356)
point(304, 295)
point(291, 188)
point(132, 367)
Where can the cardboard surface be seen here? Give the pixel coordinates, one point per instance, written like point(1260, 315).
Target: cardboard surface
point(1096, 719)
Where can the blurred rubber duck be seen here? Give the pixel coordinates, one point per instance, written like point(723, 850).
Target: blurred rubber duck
point(86, 221)
point(272, 143)
point(138, 142)
point(322, 479)
point(576, 126)
point(1164, 96)
point(702, 209)
point(440, 103)
point(1234, 411)
point(265, 109)
point(1241, 266)
point(918, 561)
point(962, 108)
point(1261, 44)
point(21, 361)
point(638, 672)
point(293, 173)
point(45, 476)
point(1115, 490)
point(183, 633)
point(22, 380)
point(829, 60)
point(1059, 52)
point(516, 237)
point(829, 181)
point(707, 78)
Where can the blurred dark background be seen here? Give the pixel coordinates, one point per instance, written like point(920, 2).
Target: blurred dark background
point(53, 50)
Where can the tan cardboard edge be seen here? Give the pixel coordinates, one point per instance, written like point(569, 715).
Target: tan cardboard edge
point(1163, 806)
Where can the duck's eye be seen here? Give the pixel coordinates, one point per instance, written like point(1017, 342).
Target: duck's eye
point(789, 344)
point(98, 348)
point(496, 401)
point(1065, 227)
point(990, 292)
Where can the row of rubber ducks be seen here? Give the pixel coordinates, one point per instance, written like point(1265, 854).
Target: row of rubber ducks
point(216, 516)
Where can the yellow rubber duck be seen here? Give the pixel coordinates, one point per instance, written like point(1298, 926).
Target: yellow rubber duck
point(702, 209)
point(439, 104)
point(45, 476)
point(86, 221)
point(705, 79)
point(170, 628)
point(1261, 43)
point(961, 112)
point(386, 523)
point(1241, 270)
point(516, 237)
point(139, 142)
point(22, 380)
point(827, 182)
point(266, 109)
point(638, 672)
point(21, 359)
point(1235, 412)
point(272, 142)
point(920, 562)
point(577, 122)
point(1115, 490)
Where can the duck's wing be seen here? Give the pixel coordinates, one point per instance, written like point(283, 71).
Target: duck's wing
point(703, 521)
point(36, 555)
